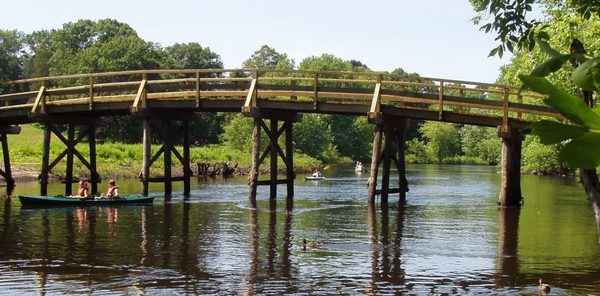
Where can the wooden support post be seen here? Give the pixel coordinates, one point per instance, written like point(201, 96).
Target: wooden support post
point(167, 159)
point(45, 161)
point(253, 177)
point(289, 153)
point(375, 162)
point(401, 165)
point(69, 169)
point(387, 163)
point(186, 158)
point(273, 161)
point(10, 182)
point(510, 190)
point(147, 154)
point(94, 177)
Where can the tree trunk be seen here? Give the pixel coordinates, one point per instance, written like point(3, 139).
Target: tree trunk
point(589, 178)
point(591, 184)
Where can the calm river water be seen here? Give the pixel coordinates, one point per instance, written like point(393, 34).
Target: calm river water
point(450, 237)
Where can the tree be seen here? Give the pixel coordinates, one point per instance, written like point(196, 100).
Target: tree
point(442, 139)
point(268, 57)
point(191, 56)
point(11, 55)
point(480, 142)
point(582, 135)
point(312, 135)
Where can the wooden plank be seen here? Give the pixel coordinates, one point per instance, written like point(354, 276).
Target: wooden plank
point(146, 155)
point(18, 96)
point(45, 161)
point(289, 153)
point(7, 172)
point(69, 169)
point(250, 97)
point(389, 190)
point(187, 172)
point(167, 159)
point(253, 177)
point(375, 103)
point(92, 147)
point(275, 149)
point(38, 103)
point(268, 182)
point(140, 97)
point(375, 156)
point(163, 179)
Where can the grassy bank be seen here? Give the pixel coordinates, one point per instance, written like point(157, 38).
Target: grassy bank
point(116, 160)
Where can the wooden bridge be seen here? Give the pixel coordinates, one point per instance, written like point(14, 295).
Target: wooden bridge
point(177, 96)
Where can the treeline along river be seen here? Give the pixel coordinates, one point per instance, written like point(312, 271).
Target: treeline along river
point(450, 237)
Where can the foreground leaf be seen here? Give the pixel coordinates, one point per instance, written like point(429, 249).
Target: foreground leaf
point(550, 66)
point(582, 152)
point(552, 132)
point(570, 106)
point(587, 75)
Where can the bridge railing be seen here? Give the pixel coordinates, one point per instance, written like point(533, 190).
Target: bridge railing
point(327, 91)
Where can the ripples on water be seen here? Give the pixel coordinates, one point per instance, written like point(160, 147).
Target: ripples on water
point(449, 238)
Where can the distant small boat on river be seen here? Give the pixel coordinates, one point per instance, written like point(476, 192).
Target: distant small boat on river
point(312, 178)
point(40, 201)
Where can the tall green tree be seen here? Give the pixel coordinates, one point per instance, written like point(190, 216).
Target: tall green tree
point(191, 56)
point(268, 57)
point(442, 139)
point(481, 142)
point(11, 55)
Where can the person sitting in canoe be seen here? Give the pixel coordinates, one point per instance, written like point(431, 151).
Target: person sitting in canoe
point(82, 190)
point(317, 173)
point(113, 189)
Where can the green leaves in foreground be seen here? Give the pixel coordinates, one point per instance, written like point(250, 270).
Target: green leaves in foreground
point(583, 136)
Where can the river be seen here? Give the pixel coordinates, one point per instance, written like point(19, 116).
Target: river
point(449, 237)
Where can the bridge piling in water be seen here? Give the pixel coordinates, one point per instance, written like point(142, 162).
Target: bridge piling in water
point(164, 131)
point(71, 141)
point(6, 172)
point(273, 131)
point(510, 188)
point(392, 129)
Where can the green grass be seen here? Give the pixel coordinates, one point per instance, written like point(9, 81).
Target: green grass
point(117, 160)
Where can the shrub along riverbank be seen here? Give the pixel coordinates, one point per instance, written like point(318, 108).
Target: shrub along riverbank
point(119, 161)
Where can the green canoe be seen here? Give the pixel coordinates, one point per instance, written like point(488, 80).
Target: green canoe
point(33, 200)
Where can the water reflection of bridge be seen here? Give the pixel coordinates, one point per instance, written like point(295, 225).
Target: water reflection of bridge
point(64, 245)
point(164, 98)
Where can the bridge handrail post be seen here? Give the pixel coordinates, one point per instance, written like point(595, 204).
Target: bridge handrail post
point(197, 89)
point(376, 101)
point(441, 100)
point(141, 95)
point(520, 101)
point(506, 94)
point(92, 79)
point(316, 91)
point(251, 98)
point(40, 99)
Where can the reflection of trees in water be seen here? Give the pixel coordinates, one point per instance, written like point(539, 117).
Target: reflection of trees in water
point(386, 252)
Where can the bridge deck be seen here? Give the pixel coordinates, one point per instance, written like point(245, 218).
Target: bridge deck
point(202, 90)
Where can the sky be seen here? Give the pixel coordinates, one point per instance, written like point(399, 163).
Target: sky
point(434, 38)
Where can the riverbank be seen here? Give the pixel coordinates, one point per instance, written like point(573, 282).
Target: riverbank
point(124, 161)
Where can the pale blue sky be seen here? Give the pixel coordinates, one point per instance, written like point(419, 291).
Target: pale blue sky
point(434, 38)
